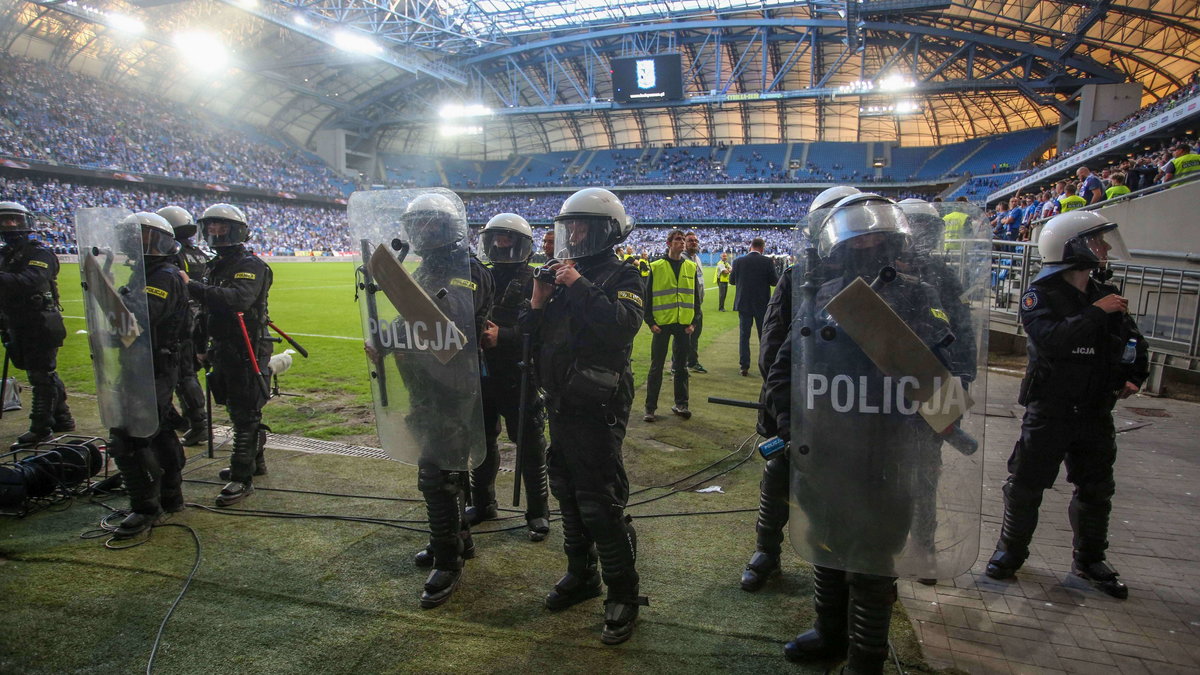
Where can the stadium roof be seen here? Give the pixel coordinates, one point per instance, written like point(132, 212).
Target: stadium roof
point(753, 72)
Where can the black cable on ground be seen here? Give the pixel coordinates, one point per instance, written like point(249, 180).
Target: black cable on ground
point(740, 462)
point(187, 583)
point(312, 492)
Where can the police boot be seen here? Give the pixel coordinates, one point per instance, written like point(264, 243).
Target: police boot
point(171, 460)
point(63, 420)
point(139, 473)
point(483, 485)
point(582, 581)
point(1101, 575)
point(871, 600)
point(41, 410)
point(444, 505)
point(616, 542)
point(772, 518)
point(241, 465)
point(827, 638)
point(260, 462)
point(1020, 520)
point(537, 506)
point(197, 428)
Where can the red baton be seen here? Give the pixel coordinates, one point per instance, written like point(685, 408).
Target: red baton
point(250, 350)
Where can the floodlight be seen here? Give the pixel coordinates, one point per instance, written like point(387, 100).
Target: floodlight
point(202, 50)
point(356, 43)
point(125, 24)
point(896, 83)
point(452, 111)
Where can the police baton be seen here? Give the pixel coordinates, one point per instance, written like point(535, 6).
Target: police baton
point(522, 414)
point(241, 317)
point(290, 341)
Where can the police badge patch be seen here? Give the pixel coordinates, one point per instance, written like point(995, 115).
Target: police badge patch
point(1029, 300)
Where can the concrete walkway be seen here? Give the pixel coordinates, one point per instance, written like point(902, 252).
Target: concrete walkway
point(1047, 621)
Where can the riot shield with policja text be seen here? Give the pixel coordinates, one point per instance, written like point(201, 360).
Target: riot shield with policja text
point(888, 361)
point(114, 294)
point(416, 303)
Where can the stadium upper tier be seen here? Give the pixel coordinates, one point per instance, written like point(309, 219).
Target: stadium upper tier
point(722, 164)
point(50, 114)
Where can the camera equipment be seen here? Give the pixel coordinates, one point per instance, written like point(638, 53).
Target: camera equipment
point(51, 472)
point(544, 274)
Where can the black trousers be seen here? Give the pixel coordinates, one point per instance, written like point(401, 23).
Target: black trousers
point(1087, 444)
point(722, 291)
point(658, 356)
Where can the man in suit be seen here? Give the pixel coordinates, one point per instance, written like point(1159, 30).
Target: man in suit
point(753, 276)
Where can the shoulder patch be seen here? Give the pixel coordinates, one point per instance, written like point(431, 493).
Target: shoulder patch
point(39, 263)
point(630, 296)
point(245, 275)
point(1030, 300)
point(156, 291)
point(465, 283)
point(939, 314)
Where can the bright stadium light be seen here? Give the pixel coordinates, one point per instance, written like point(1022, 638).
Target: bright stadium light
point(450, 130)
point(125, 24)
point(896, 83)
point(202, 50)
point(300, 20)
point(356, 43)
point(453, 111)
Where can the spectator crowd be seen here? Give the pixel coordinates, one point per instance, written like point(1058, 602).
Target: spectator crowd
point(54, 115)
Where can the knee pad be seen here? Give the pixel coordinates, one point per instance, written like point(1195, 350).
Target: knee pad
point(1101, 491)
point(42, 378)
point(433, 480)
point(872, 589)
point(119, 445)
point(560, 485)
point(776, 475)
point(1022, 495)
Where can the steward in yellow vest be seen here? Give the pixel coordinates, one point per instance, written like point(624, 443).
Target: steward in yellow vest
point(673, 298)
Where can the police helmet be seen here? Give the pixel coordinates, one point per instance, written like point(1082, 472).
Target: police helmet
point(926, 223)
point(861, 214)
point(158, 238)
point(831, 196)
point(507, 238)
point(224, 225)
point(590, 221)
point(14, 217)
point(1079, 240)
point(180, 219)
point(433, 220)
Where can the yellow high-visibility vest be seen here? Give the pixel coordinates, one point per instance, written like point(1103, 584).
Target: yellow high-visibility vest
point(956, 225)
point(673, 299)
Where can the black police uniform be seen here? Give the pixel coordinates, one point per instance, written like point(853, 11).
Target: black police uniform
point(773, 488)
point(1075, 373)
point(854, 609)
point(502, 400)
point(33, 331)
point(960, 357)
point(238, 281)
point(191, 396)
point(431, 401)
point(151, 468)
point(583, 337)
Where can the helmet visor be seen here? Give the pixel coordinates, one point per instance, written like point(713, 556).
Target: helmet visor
point(157, 242)
point(579, 236)
point(431, 229)
point(15, 221)
point(505, 246)
point(849, 222)
point(1106, 244)
point(220, 232)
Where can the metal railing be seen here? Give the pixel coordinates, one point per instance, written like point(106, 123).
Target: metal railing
point(1164, 301)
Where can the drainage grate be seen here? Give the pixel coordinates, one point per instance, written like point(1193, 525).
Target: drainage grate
point(302, 444)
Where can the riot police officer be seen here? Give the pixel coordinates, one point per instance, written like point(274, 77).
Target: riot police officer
point(33, 325)
point(194, 262)
point(507, 243)
point(151, 467)
point(773, 488)
point(1085, 353)
point(856, 430)
point(437, 232)
point(234, 298)
point(583, 323)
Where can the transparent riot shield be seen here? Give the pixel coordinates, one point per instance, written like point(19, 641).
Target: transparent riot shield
point(114, 296)
point(888, 356)
point(416, 300)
